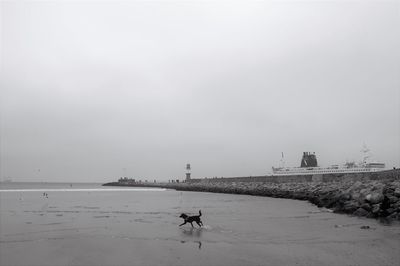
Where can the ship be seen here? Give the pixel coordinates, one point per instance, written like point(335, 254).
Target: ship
point(309, 166)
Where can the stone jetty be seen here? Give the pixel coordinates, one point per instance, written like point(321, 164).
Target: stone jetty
point(373, 198)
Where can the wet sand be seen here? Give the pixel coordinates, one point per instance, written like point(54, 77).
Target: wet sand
point(131, 227)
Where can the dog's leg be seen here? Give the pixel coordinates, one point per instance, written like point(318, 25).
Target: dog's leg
point(198, 223)
point(183, 223)
point(191, 224)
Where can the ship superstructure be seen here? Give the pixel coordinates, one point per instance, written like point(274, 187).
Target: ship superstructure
point(309, 166)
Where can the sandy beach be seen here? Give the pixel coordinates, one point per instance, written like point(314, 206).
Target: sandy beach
point(131, 226)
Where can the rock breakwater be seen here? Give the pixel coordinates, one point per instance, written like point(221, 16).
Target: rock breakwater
point(368, 198)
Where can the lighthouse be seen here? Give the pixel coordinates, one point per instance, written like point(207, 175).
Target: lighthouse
point(188, 168)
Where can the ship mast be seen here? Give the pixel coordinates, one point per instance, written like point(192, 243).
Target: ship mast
point(282, 161)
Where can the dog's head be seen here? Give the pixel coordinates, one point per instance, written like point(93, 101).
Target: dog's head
point(184, 216)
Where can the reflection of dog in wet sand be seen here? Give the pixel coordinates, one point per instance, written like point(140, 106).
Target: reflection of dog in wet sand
point(191, 219)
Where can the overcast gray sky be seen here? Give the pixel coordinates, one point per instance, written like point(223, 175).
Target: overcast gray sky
point(88, 89)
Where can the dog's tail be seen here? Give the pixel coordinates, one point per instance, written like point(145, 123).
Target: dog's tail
point(199, 213)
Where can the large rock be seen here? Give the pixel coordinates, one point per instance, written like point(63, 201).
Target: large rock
point(344, 196)
point(390, 210)
point(357, 196)
point(374, 197)
point(375, 209)
point(361, 212)
point(377, 186)
point(392, 199)
point(365, 191)
point(357, 186)
point(396, 206)
point(366, 207)
point(397, 192)
point(351, 206)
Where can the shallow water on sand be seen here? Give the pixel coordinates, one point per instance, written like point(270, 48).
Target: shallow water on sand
point(93, 225)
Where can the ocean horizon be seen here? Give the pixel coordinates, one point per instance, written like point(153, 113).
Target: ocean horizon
point(65, 187)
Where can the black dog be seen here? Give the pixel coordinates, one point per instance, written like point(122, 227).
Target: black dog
point(191, 219)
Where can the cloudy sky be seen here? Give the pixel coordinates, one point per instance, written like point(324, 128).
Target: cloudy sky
point(91, 91)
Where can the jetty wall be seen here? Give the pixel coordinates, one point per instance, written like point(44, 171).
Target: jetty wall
point(305, 178)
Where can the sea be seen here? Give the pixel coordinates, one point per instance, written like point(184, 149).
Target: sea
point(89, 224)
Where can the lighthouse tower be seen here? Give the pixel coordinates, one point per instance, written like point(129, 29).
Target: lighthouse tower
point(188, 168)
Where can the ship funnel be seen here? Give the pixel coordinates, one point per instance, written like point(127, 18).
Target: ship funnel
point(309, 160)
